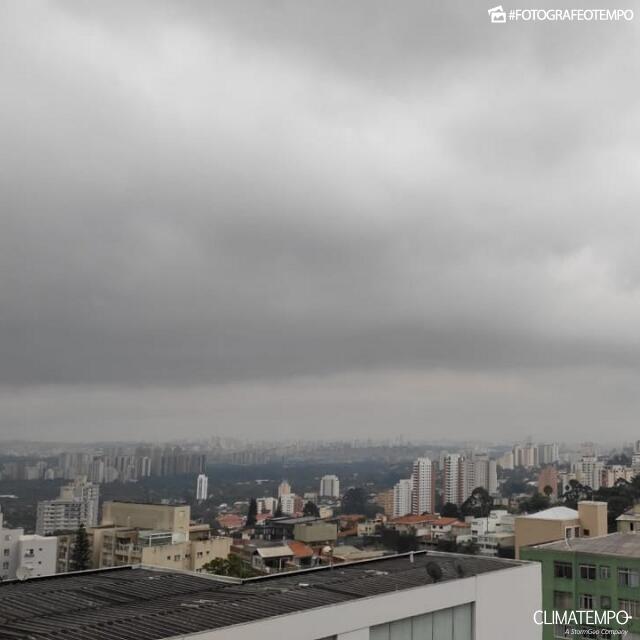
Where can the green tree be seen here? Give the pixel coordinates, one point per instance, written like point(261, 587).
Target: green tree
point(548, 490)
point(81, 553)
point(232, 566)
point(478, 504)
point(469, 547)
point(537, 502)
point(399, 542)
point(311, 510)
point(450, 510)
point(252, 514)
point(575, 492)
point(354, 501)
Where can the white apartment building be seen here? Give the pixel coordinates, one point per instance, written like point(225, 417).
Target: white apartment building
point(452, 478)
point(494, 532)
point(402, 492)
point(418, 596)
point(267, 505)
point(77, 504)
point(25, 556)
point(284, 488)
point(202, 487)
point(329, 487)
point(423, 487)
point(288, 503)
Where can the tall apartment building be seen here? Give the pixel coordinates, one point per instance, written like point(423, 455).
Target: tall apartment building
point(202, 487)
point(525, 455)
point(329, 487)
point(460, 476)
point(590, 472)
point(548, 453)
point(284, 488)
point(25, 556)
point(422, 487)
point(453, 478)
point(402, 498)
point(76, 504)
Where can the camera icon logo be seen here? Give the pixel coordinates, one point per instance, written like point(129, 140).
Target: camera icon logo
point(497, 15)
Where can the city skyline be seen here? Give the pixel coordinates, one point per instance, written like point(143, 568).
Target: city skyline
point(317, 220)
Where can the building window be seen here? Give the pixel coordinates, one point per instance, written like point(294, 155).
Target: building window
point(446, 624)
point(604, 572)
point(605, 602)
point(588, 571)
point(563, 570)
point(628, 578)
point(632, 607)
point(586, 601)
point(562, 600)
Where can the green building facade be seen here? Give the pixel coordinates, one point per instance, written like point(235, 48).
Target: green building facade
point(590, 574)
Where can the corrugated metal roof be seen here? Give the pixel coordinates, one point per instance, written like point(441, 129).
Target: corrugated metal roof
point(145, 604)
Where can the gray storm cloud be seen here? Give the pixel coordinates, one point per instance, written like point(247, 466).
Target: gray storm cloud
point(217, 205)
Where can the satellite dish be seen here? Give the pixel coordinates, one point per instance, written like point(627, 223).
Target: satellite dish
point(434, 571)
point(22, 573)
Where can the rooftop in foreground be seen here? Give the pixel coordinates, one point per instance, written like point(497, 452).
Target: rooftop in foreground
point(136, 603)
point(613, 544)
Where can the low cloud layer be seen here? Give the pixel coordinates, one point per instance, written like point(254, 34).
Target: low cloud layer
point(232, 200)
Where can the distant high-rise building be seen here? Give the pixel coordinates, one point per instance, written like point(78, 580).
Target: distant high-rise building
point(202, 487)
point(77, 504)
point(284, 489)
point(453, 480)
point(548, 453)
point(423, 487)
point(329, 487)
point(402, 498)
point(525, 455)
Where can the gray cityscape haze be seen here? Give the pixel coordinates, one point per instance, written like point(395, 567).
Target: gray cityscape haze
point(280, 219)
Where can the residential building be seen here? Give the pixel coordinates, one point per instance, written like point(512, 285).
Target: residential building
point(561, 523)
point(267, 505)
point(412, 596)
point(453, 480)
point(402, 497)
point(548, 477)
point(25, 556)
point(290, 504)
point(385, 500)
point(202, 487)
point(423, 487)
point(494, 534)
point(77, 504)
point(600, 573)
point(310, 530)
point(138, 515)
point(330, 487)
point(284, 489)
point(629, 520)
point(548, 453)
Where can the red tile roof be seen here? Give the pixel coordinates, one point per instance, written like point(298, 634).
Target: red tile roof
point(427, 517)
point(300, 549)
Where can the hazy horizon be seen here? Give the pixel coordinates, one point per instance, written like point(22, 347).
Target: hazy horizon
point(317, 220)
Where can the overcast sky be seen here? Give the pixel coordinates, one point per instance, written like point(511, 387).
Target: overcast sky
point(341, 218)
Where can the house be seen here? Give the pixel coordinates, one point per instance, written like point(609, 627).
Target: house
point(561, 523)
